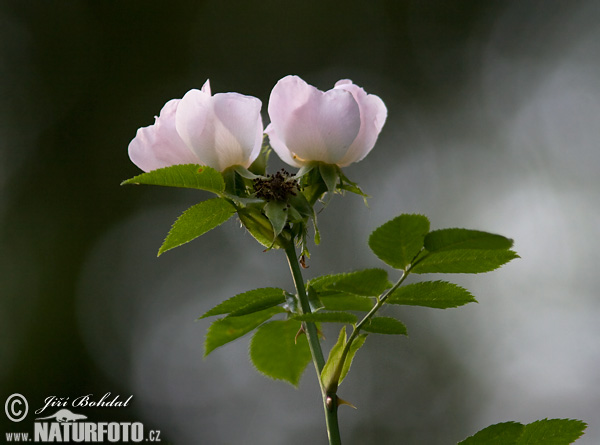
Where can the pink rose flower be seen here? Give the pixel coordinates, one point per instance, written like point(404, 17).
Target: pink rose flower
point(219, 131)
point(339, 126)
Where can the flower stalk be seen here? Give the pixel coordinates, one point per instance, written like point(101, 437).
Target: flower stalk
point(312, 335)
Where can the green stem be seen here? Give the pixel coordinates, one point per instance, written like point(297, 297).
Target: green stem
point(329, 400)
point(355, 332)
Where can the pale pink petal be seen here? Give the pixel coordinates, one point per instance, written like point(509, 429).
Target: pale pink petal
point(373, 114)
point(280, 148)
point(193, 122)
point(159, 145)
point(238, 128)
point(222, 130)
point(314, 126)
point(206, 87)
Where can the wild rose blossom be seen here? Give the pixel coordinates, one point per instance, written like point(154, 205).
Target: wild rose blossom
point(339, 126)
point(219, 131)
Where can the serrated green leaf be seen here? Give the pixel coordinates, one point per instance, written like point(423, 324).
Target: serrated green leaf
point(248, 302)
point(227, 329)
point(505, 433)
point(355, 346)
point(328, 374)
point(366, 282)
point(196, 221)
point(552, 431)
point(339, 301)
point(327, 317)
point(398, 241)
point(385, 325)
point(435, 294)
point(453, 239)
point(277, 213)
point(462, 261)
point(192, 176)
point(276, 353)
point(541, 432)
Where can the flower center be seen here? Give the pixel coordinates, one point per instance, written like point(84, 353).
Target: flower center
point(277, 187)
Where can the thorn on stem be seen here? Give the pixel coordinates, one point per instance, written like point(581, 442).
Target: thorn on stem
point(343, 402)
point(300, 332)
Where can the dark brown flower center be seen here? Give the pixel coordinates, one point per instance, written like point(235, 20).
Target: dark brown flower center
point(277, 187)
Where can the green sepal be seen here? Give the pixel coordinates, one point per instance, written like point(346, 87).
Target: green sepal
point(352, 187)
point(196, 221)
point(312, 184)
point(193, 176)
point(385, 325)
point(304, 170)
point(462, 261)
point(235, 184)
point(366, 282)
point(398, 241)
point(225, 330)
point(330, 173)
point(542, 432)
point(327, 317)
point(299, 202)
point(244, 172)
point(277, 352)
point(248, 302)
point(277, 213)
point(434, 294)
point(242, 202)
point(293, 216)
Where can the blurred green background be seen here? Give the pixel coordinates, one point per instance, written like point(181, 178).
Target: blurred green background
point(493, 124)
